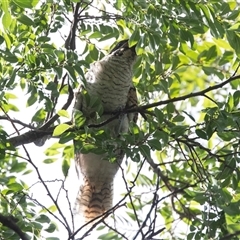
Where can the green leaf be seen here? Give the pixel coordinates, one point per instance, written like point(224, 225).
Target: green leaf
point(18, 167)
point(52, 208)
point(48, 47)
point(233, 210)
point(52, 86)
point(49, 160)
point(32, 99)
point(78, 118)
point(134, 38)
point(39, 116)
point(234, 41)
point(1, 39)
point(26, 3)
point(27, 172)
point(16, 187)
point(187, 36)
point(12, 78)
point(95, 35)
point(66, 137)
point(71, 72)
point(211, 53)
point(6, 20)
point(22, 83)
point(226, 57)
point(42, 219)
point(155, 144)
point(25, 20)
point(159, 114)
point(93, 51)
point(65, 167)
point(208, 70)
point(60, 55)
point(9, 57)
point(5, 6)
point(51, 228)
point(175, 61)
point(63, 113)
point(8, 95)
point(87, 148)
point(233, 15)
point(161, 135)
point(109, 36)
point(58, 71)
point(43, 39)
point(178, 118)
point(170, 108)
point(236, 98)
point(144, 149)
point(178, 130)
point(235, 226)
point(164, 86)
point(200, 133)
point(109, 235)
point(52, 238)
point(61, 128)
point(226, 136)
point(52, 151)
point(10, 106)
point(235, 182)
point(7, 40)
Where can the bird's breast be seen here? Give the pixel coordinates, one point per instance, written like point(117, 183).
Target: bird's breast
point(109, 85)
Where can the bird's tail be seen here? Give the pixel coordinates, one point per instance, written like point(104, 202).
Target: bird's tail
point(93, 199)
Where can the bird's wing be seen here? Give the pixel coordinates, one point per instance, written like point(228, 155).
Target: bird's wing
point(78, 98)
point(78, 102)
point(132, 102)
point(77, 107)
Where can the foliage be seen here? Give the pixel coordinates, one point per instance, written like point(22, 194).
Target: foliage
point(183, 178)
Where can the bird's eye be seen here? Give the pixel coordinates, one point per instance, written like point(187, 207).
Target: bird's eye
point(123, 43)
point(119, 52)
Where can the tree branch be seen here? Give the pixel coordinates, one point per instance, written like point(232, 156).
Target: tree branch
point(70, 42)
point(25, 125)
point(31, 136)
point(10, 222)
point(177, 99)
point(230, 236)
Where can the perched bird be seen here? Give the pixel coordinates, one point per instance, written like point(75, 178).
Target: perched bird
point(110, 81)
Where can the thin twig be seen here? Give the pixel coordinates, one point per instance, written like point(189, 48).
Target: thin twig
point(18, 122)
point(115, 230)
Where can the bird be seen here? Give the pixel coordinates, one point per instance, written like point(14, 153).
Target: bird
point(108, 80)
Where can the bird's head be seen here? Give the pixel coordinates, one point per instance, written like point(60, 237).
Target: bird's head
point(122, 49)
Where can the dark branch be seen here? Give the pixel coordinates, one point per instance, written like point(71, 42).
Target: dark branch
point(18, 122)
point(70, 42)
point(230, 236)
point(177, 99)
point(10, 222)
point(31, 136)
point(107, 17)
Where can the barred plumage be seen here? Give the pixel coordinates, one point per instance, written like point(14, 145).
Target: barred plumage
point(109, 79)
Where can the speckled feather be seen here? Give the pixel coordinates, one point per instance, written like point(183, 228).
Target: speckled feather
point(109, 79)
